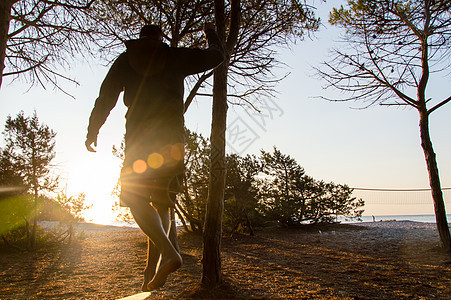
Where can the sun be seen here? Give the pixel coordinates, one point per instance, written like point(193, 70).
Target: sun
point(96, 175)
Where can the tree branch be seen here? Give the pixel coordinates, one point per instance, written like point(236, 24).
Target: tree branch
point(28, 23)
point(57, 3)
point(438, 105)
point(25, 70)
point(196, 87)
point(235, 16)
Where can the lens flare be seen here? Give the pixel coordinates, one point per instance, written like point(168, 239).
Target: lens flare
point(139, 166)
point(127, 171)
point(155, 160)
point(177, 151)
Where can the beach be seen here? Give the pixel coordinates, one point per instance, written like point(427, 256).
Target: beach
point(370, 260)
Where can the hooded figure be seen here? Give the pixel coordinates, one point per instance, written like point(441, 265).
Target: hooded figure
point(151, 74)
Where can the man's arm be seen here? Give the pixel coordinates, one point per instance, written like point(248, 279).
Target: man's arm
point(111, 87)
point(192, 61)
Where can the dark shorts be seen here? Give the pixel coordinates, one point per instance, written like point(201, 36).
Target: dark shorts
point(151, 169)
point(140, 188)
point(153, 163)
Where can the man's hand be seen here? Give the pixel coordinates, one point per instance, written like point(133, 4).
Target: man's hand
point(89, 142)
point(209, 25)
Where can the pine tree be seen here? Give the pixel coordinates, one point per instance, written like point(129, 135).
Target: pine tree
point(30, 149)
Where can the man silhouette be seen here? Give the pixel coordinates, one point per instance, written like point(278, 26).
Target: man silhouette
point(151, 74)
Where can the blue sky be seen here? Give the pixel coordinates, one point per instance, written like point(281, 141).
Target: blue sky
point(378, 147)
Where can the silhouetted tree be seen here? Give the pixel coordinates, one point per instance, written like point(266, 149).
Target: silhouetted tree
point(394, 47)
point(331, 201)
point(290, 197)
point(241, 193)
point(37, 34)
point(10, 179)
point(211, 262)
point(30, 148)
point(193, 199)
point(74, 205)
point(283, 187)
point(240, 188)
point(256, 40)
point(342, 202)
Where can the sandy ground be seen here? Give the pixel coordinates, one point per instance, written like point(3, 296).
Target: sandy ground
point(382, 260)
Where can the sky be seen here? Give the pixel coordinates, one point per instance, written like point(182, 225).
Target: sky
point(377, 147)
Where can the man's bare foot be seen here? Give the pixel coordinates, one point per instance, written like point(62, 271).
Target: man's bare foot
point(149, 273)
point(168, 264)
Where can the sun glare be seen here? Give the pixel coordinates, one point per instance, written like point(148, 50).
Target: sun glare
point(96, 175)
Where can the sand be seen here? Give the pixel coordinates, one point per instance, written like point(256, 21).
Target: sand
point(380, 260)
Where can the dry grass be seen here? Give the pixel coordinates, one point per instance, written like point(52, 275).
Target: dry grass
point(332, 262)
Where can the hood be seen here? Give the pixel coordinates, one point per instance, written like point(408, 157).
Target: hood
point(147, 56)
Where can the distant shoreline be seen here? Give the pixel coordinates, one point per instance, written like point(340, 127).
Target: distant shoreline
point(379, 218)
point(382, 224)
point(398, 224)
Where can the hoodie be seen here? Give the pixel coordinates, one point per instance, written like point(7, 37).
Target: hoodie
point(151, 74)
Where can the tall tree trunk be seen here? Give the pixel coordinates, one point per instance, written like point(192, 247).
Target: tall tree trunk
point(35, 221)
point(434, 182)
point(426, 144)
point(249, 225)
point(211, 263)
point(212, 233)
point(5, 15)
point(27, 228)
point(36, 191)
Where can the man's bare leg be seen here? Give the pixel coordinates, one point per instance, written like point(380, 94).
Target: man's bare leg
point(163, 212)
point(169, 225)
point(148, 219)
point(153, 255)
point(164, 266)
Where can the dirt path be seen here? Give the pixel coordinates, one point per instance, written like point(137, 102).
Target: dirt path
point(393, 260)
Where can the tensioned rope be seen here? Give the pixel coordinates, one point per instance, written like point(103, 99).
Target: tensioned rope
point(397, 190)
point(399, 196)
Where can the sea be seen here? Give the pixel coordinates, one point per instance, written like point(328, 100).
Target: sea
point(415, 218)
